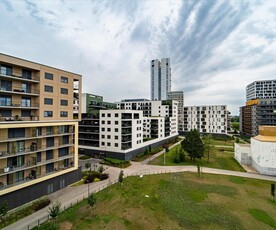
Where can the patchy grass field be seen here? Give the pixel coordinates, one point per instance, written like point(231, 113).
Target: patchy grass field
point(176, 201)
point(218, 159)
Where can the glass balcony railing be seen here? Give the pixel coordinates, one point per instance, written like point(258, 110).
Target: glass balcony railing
point(19, 104)
point(19, 75)
point(19, 90)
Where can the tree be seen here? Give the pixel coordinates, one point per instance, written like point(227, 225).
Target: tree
point(208, 146)
point(87, 166)
point(121, 176)
point(273, 191)
point(193, 145)
point(55, 210)
point(3, 210)
point(181, 155)
point(101, 169)
point(91, 200)
point(176, 158)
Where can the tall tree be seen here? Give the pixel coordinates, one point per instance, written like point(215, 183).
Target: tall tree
point(209, 147)
point(193, 145)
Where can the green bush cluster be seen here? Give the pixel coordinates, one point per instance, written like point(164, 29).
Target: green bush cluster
point(115, 162)
point(40, 204)
point(90, 176)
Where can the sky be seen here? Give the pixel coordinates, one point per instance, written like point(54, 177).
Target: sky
point(216, 47)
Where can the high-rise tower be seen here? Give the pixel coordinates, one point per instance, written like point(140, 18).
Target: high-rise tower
point(160, 79)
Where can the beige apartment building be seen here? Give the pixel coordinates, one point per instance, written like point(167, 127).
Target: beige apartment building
point(38, 129)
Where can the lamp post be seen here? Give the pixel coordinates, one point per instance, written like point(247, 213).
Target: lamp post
point(165, 157)
point(88, 187)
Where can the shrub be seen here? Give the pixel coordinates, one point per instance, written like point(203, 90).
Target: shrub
point(176, 158)
point(104, 176)
point(40, 204)
point(96, 179)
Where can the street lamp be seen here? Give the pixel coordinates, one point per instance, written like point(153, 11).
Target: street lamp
point(87, 187)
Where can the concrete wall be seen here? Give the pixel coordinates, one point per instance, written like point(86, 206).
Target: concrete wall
point(243, 154)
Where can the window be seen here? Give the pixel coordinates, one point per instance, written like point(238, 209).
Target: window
point(25, 113)
point(6, 113)
point(49, 130)
point(64, 79)
point(103, 143)
point(5, 100)
point(48, 101)
point(116, 122)
point(16, 132)
point(63, 152)
point(109, 122)
point(63, 114)
point(103, 115)
point(50, 187)
point(38, 157)
point(109, 115)
point(116, 137)
point(64, 102)
point(26, 102)
point(116, 144)
point(116, 130)
point(108, 143)
point(48, 88)
point(6, 70)
point(108, 136)
point(103, 129)
point(103, 136)
point(6, 85)
point(62, 183)
point(103, 122)
point(27, 74)
point(26, 88)
point(108, 129)
point(49, 156)
point(63, 91)
point(50, 141)
point(48, 113)
point(116, 115)
point(49, 76)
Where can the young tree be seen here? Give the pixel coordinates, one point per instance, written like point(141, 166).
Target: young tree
point(121, 177)
point(3, 210)
point(55, 210)
point(181, 155)
point(91, 200)
point(193, 145)
point(273, 191)
point(101, 169)
point(87, 166)
point(176, 158)
point(208, 146)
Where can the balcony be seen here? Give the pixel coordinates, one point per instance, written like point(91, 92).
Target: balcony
point(19, 76)
point(19, 105)
point(16, 90)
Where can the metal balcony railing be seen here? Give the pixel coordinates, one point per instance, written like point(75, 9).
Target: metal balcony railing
point(19, 75)
point(18, 104)
point(19, 90)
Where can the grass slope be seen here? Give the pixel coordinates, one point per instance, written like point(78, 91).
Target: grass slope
point(175, 201)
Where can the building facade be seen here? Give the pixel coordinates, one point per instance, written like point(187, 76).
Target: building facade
point(261, 90)
point(179, 97)
point(261, 152)
point(38, 132)
point(206, 119)
point(160, 79)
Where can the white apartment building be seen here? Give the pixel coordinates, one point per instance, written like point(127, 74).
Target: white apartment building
point(206, 119)
point(179, 97)
point(167, 109)
point(160, 79)
point(261, 90)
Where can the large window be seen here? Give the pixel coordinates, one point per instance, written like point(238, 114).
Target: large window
point(16, 132)
point(50, 141)
point(26, 102)
point(64, 102)
point(25, 113)
point(48, 101)
point(6, 85)
point(5, 100)
point(49, 155)
point(63, 91)
point(50, 167)
point(6, 70)
point(48, 113)
point(48, 88)
point(63, 152)
point(49, 76)
point(64, 79)
point(26, 88)
point(27, 74)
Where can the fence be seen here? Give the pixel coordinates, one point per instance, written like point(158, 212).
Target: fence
point(108, 183)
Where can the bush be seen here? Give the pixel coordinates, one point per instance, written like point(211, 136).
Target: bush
point(96, 179)
point(176, 158)
point(41, 203)
point(84, 157)
point(104, 176)
point(115, 162)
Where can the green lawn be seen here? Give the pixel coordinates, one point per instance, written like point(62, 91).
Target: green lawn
point(218, 159)
point(176, 201)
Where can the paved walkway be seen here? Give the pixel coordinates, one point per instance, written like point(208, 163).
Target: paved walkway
point(71, 195)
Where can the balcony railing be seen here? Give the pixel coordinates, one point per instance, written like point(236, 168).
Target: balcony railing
point(19, 104)
point(19, 90)
point(20, 76)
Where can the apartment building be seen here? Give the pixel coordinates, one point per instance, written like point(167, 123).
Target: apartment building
point(261, 90)
point(179, 97)
point(38, 132)
point(119, 133)
point(206, 119)
point(160, 79)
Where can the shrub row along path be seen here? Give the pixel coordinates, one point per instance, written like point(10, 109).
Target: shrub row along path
point(70, 195)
